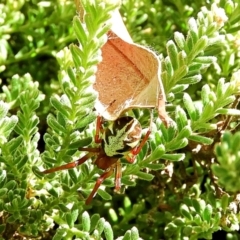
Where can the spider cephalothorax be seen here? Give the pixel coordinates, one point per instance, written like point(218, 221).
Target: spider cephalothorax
point(120, 139)
point(121, 136)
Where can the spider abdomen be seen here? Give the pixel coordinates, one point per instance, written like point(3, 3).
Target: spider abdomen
point(121, 136)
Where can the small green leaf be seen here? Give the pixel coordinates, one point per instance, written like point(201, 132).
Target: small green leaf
point(187, 230)
point(201, 139)
point(73, 175)
point(170, 134)
point(63, 208)
point(171, 228)
point(96, 234)
point(127, 235)
point(185, 132)
point(157, 153)
point(8, 124)
point(212, 199)
point(10, 185)
point(168, 66)
point(153, 166)
point(108, 231)
point(80, 143)
point(87, 100)
point(94, 220)
point(200, 45)
point(86, 120)
point(179, 39)
point(185, 212)
point(72, 76)
point(207, 213)
point(60, 234)
point(4, 107)
point(181, 118)
point(3, 175)
point(22, 161)
point(54, 124)
point(206, 60)
point(65, 185)
point(53, 192)
point(225, 202)
point(182, 59)
point(75, 214)
point(134, 234)
point(56, 103)
point(190, 107)
point(179, 88)
point(174, 157)
point(11, 219)
point(39, 215)
point(177, 144)
point(144, 176)
point(202, 205)
point(69, 219)
point(15, 203)
point(3, 191)
point(208, 111)
point(173, 54)
point(196, 205)
point(126, 180)
point(104, 195)
point(77, 56)
point(180, 72)
point(113, 215)
point(205, 94)
point(79, 31)
point(86, 222)
point(14, 143)
point(229, 111)
point(100, 225)
point(190, 80)
point(197, 219)
point(179, 222)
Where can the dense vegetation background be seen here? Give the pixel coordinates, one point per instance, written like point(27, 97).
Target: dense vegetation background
point(185, 183)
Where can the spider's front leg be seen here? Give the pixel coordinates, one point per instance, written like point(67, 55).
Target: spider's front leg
point(71, 164)
point(92, 152)
point(135, 151)
point(99, 129)
point(118, 174)
point(99, 181)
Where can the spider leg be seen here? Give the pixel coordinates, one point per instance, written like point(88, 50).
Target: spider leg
point(98, 183)
point(137, 149)
point(71, 164)
point(118, 175)
point(99, 129)
point(167, 121)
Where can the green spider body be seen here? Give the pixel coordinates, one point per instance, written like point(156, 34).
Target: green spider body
point(120, 139)
point(121, 136)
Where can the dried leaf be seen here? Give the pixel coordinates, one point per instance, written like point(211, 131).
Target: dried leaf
point(128, 76)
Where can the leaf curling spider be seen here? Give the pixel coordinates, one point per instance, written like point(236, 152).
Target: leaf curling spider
point(122, 138)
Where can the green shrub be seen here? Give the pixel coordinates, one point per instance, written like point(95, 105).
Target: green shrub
point(184, 183)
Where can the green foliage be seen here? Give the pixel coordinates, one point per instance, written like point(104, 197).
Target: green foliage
point(228, 156)
point(35, 30)
point(197, 221)
point(184, 183)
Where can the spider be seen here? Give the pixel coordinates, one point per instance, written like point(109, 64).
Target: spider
point(120, 139)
